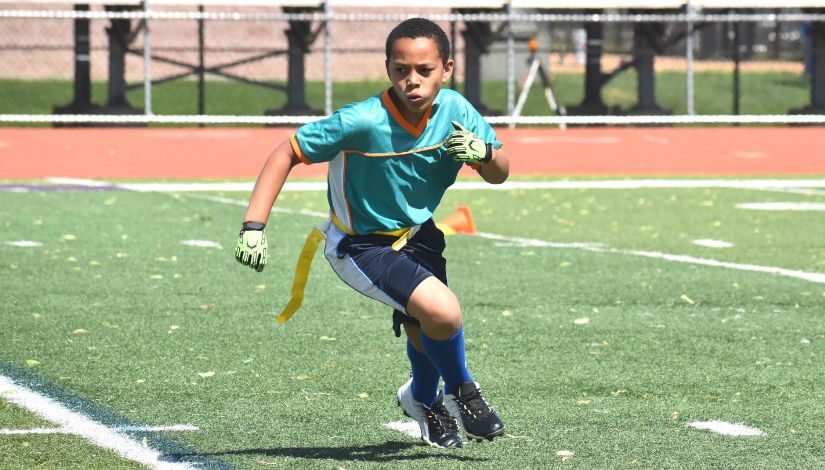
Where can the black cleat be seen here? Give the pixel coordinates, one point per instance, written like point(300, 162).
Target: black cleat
point(438, 427)
point(476, 417)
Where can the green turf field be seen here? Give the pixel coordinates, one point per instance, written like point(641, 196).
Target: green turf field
point(607, 350)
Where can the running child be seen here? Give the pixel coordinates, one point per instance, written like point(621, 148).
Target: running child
point(391, 157)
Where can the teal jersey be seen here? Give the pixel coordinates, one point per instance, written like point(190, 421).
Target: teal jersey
point(384, 173)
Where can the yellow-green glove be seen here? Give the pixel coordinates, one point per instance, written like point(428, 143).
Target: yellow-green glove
point(466, 147)
point(251, 248)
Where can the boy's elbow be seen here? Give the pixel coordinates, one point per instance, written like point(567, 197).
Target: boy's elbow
point(497, 179)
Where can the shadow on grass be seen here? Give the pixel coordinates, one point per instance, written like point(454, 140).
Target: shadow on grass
point(387, 452)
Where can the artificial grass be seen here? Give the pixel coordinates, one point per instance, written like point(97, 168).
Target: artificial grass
point(177, 334)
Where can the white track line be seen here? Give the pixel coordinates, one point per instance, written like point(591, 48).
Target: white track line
point(76, 181)
point(80, 425)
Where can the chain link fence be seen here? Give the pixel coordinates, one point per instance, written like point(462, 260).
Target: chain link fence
point(235, 61)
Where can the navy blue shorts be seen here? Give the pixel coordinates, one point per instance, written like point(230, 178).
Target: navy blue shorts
point(368, 264)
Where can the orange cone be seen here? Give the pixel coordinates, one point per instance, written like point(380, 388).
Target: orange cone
point(461, 221)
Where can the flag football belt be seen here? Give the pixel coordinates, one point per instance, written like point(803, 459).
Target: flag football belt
point(311, 243)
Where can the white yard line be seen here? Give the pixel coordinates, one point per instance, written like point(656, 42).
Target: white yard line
point(796, 190)
point(80, 425)
point(407, 427)
point(620, 184)
point(725, 428)
point(711, 243)
point(518, 241)
point(173, 427)
point(783, 206)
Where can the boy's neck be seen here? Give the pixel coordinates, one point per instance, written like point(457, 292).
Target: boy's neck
point(410, 116)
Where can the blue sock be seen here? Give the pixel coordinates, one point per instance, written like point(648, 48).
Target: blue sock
point(448, 357)
point(425, 376)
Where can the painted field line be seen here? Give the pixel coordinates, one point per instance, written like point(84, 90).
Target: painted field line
point(818, 278)
point(238, 202)
point(726, 429)
point(795, 190)
point(173, 427)
point(760, 184)
point(80, 425)
point(76, 181)
point(782, 206)
point(407, 427)
point(807, 276)
point(755, 184)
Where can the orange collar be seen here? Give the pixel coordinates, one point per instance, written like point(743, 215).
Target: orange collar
point(399, 118)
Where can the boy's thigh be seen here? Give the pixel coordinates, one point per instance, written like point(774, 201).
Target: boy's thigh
point(375, 270)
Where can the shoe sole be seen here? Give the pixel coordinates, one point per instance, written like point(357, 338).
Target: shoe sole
point(488, 437)
point(431, 444)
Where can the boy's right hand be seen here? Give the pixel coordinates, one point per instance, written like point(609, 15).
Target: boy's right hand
point(251, 247)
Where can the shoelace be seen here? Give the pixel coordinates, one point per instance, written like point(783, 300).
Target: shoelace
point(475, 404)
point(441, 419)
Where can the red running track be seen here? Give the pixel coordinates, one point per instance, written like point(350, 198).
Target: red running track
point(239, 153)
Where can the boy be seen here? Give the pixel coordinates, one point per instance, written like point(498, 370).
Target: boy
point(391, 157)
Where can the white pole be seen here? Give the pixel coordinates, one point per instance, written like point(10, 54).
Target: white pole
point(525, 89)
point(689, 60)
point(147, 63)
point(511, 60)
point(327, 61)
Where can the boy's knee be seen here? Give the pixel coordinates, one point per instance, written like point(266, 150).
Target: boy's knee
point(436, 307)
point(444, 316)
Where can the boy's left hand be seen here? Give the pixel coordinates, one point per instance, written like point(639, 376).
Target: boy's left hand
point(464, 146)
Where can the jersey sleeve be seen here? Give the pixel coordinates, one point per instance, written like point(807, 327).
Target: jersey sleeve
point(475, 123)
point(319, 141)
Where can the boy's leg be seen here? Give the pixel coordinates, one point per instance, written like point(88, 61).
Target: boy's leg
point(425, 376)
point(421, 400)
point(436, 307)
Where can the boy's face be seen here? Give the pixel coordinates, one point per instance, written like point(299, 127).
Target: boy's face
point(417, 74)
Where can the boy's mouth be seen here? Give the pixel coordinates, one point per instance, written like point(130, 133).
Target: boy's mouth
point(414, 99)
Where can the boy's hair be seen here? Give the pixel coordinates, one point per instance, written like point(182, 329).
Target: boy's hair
point(417, 28)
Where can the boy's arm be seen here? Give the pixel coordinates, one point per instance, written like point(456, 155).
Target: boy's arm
point(463, 146)
point(252, 247)
point(270, 181)
point(496, 170)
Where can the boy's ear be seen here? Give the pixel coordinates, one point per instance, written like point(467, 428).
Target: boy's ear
point(448, 70)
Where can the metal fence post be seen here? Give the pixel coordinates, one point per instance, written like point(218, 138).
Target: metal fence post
point(147, 63)
point(689, 61)
point(327, 61)
point(511, 60)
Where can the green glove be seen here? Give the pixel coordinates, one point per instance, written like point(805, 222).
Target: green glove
point(251, 248)
point(464, 146)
